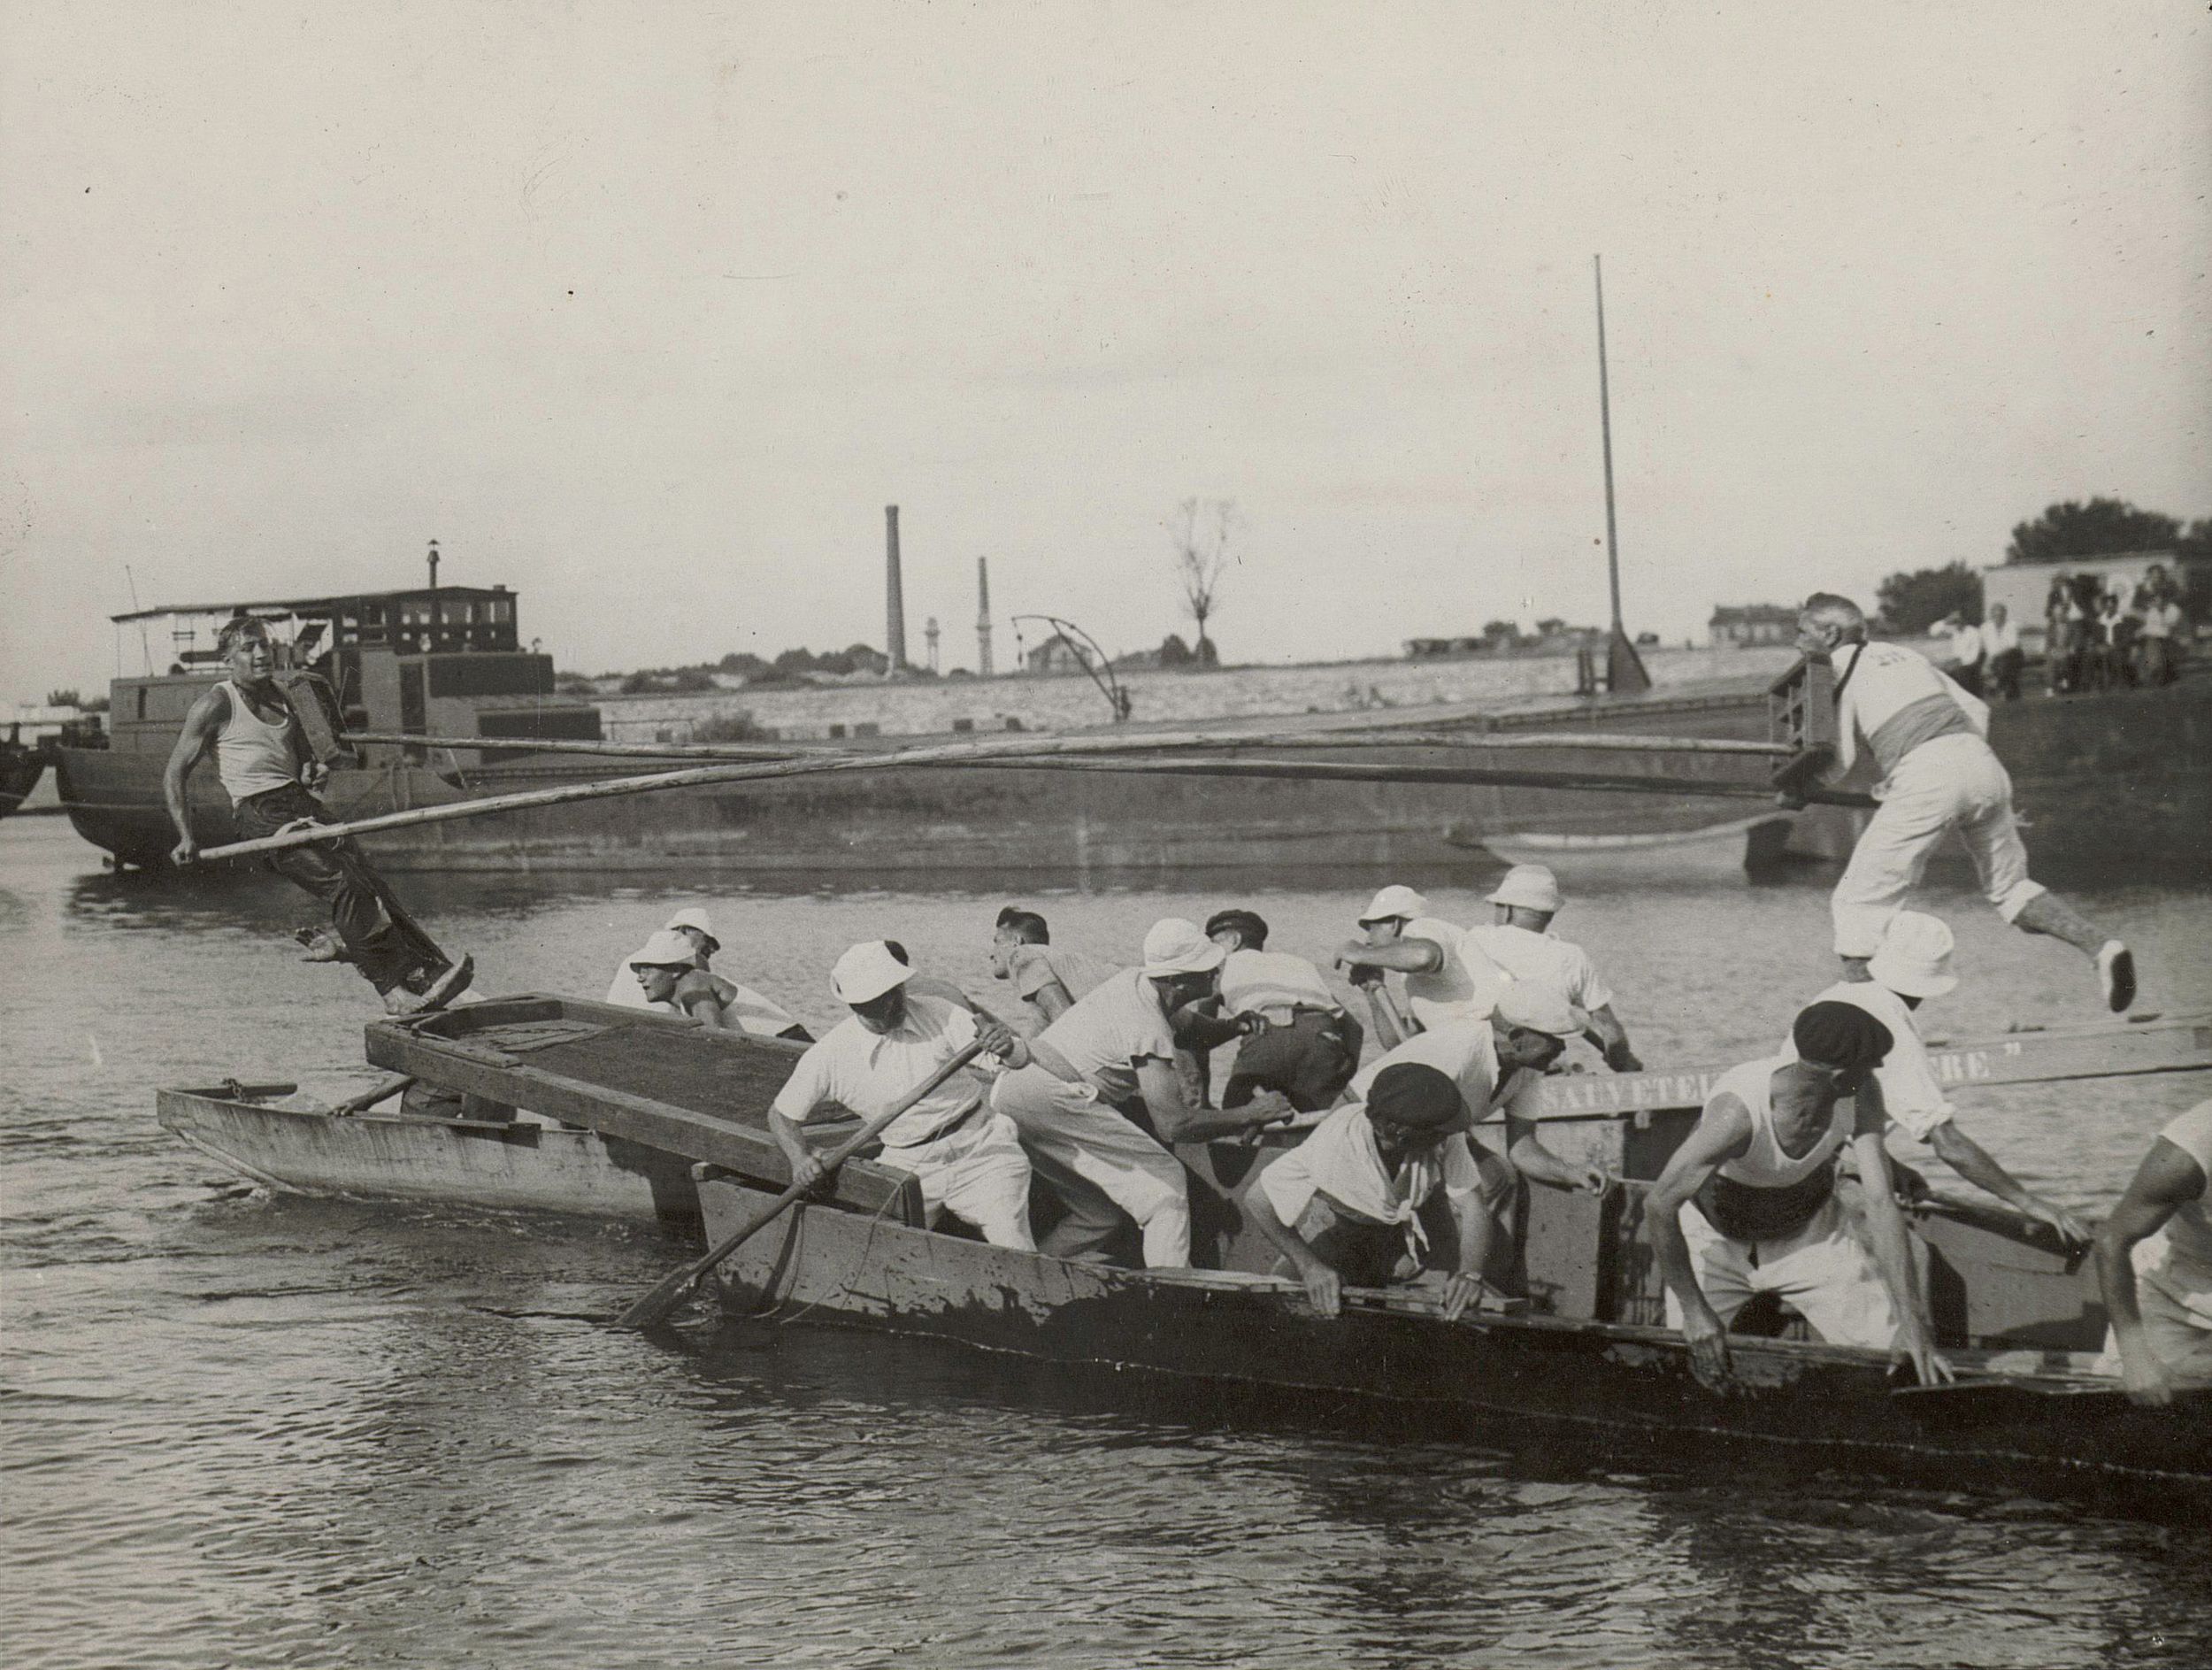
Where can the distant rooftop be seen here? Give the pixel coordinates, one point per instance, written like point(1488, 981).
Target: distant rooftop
point(326, 607)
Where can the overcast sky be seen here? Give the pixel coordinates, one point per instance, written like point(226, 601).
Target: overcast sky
point(648, 310)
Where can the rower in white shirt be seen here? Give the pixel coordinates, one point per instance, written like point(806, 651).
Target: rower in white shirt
point(1444, 979)
point(686, 945)
point(1912, 964)
point(1926, 735)
point(1521, 943)
point(1297, 1038)
point(966, 1155)
point(1348, 1201)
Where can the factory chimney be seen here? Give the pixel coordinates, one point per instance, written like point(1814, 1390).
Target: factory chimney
point(929, 637)
point(983, 616)
point(894, 595)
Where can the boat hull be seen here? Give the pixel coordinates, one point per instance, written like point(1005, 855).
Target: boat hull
point(2037, 1424)
point(2119, 780)
point(508, 1165)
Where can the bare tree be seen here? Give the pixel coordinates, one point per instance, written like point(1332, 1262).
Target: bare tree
point(1200, 531)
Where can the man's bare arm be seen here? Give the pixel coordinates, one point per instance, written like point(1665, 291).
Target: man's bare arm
point(1611, 1039)
point(1176, 1120)
point(1324, 1286)
point(1400, 956)
point(1530, 1157)
point(1722, 1133)
point(1885, 1232)
point(1973, 1162)
point(201, 725)
point(2167, 1180)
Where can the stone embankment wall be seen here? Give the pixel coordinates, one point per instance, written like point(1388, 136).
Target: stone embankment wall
point(1064, 702)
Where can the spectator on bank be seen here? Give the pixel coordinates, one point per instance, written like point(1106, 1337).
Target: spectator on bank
point(2065, 634)
point(2162, 625)
point(2001, 650)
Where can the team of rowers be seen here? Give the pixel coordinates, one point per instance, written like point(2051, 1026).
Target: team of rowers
point(1466, 1020)
point(1409, 1166)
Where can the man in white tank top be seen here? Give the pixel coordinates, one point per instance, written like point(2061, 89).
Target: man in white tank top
point(246, 722)
point(1937, 774)
point(1747, 1203)
point(2155, 1264)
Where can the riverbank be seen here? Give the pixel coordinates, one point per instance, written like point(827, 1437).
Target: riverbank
point(1070, 701)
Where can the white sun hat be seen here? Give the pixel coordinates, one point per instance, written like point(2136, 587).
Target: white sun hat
point(667, 949)
point(1532, 887)
point(1540, 1008)
point(867, 970)
point(695, 919)
point(1175, 946)
point(1394, 901)
point(1913, 958)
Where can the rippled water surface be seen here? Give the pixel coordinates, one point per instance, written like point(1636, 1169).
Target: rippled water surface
point(239, 1429)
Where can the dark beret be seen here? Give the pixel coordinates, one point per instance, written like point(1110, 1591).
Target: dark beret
point(1841, 1035)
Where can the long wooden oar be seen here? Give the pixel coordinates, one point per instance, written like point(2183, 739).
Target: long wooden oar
point(1136, 742)
point(1026, 754)
point(655, 1306)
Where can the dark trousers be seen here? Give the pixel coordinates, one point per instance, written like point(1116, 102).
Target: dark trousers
point(2004, 675)
point(387, 949)
point(1969, 674)
point(1310, 1061)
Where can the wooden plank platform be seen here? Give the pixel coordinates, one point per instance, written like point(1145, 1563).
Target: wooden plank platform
point(663, 1080)
point(2098, 1049)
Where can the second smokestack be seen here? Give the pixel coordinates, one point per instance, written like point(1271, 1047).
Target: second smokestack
point(894, 592)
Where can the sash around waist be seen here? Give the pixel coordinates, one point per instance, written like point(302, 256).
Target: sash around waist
point(1744, 1212)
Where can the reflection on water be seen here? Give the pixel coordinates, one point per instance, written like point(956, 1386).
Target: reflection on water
point(257, 1431)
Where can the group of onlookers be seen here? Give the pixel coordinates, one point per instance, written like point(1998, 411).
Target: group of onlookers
point(2104, 638)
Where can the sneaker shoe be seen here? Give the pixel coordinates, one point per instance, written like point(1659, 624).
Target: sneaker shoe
point(448, 983)
point(400, 1000)
point(2116, 972)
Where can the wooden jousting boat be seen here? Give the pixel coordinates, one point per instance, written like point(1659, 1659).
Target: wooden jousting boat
point(673, 1123)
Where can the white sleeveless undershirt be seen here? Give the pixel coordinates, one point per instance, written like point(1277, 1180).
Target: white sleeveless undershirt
point(251, 754)
point(1764, 1164)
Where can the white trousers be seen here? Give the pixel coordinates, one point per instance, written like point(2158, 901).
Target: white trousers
point(2175, 1296)
point(978, 1174)
point(1822, 1272)
point(1953, 782)
point(1083, 1149)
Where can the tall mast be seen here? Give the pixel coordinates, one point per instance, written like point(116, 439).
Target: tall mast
point(1625, 669)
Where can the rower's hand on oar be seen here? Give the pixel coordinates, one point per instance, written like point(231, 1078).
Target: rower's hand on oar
point(1325, 1288)
point(1708, 1347)
point(2075, 1234)
point(1594, 1181)
point(185, 852)
point(996, 1037)
point(314, 776)
point(806, 1173)
point(1267, 1107)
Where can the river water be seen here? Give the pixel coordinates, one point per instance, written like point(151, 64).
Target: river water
point(238, 1430)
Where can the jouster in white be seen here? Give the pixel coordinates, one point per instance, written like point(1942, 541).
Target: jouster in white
point(1443, 978)
point(1937, 775)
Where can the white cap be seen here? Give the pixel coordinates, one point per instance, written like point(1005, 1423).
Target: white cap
point(1540, 1008)
point(667, 949)
point(867, 970)
point(1175, 946)
point(1394, 901)
point(694, 918)
point(1913, 958)
point(1532, 887)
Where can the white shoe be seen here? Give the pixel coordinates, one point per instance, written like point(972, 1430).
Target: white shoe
point(2116, 972)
